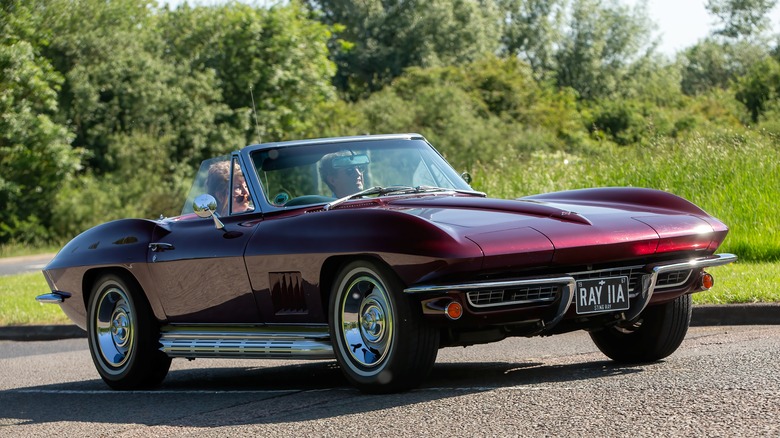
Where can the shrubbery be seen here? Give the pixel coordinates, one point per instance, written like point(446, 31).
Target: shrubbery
point(106, 108)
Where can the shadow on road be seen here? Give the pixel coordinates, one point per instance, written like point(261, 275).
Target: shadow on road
point(292, 393)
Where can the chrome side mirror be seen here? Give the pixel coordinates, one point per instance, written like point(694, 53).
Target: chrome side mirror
point(206, 206)
point(466, 177)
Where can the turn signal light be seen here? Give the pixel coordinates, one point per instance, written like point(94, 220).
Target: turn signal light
point(707, 280)
point(453, 310)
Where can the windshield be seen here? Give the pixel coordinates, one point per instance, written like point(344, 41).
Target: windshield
point(316, 173)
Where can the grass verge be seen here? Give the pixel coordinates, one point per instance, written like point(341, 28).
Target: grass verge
point(18, 305)
point(735, 283)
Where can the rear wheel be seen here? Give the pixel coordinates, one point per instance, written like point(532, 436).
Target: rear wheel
point(379, 338)
point(124, 335)
point(657, 333)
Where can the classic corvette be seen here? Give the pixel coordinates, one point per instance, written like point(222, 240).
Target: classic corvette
point(372, 250)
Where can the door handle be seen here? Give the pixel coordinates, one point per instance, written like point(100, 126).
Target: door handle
point(160, 247)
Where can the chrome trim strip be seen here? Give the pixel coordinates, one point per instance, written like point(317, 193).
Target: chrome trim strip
point(643, 298)
point(567, 296)
point(617, 268)
point(264, 342)
point(465, 287)
point(701, 262)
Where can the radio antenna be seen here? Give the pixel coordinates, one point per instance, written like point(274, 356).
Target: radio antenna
point(254, 111)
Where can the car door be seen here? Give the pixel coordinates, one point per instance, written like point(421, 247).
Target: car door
point(200, 272)
point(199, 268)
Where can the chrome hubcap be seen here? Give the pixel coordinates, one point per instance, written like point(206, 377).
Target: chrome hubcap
point(366, 321)
point(114, 331)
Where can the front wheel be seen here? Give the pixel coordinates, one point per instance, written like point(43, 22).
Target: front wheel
point(655, 335)
point(124, 336)
point(379, 338)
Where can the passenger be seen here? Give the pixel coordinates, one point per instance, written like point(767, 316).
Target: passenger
point(342, 179)
point(217, 185)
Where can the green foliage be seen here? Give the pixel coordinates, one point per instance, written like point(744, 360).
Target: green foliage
point(759, 88)
point(273, 59)
point(714, 64)
point(145, 183)
point(385, 38)
point(741, 18)
point(531, 30)
point(599, 47)
point(478, 112)
point(35, 156)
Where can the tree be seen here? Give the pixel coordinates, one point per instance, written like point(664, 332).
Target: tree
point(715, 64)
point(741, 19)
point(116, 82)
point(277, 57)
point(482, 112)
point(35, 152)
point(376, 40)
point(759, 88)
point(531, 31)
point(602, 44)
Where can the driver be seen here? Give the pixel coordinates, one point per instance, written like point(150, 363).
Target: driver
point(340, 174)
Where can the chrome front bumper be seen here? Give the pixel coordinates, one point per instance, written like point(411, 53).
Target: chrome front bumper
point(566, 287)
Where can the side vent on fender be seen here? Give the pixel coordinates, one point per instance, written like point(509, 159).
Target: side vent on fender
point(287, 293)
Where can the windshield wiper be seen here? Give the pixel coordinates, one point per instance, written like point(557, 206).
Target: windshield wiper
point(429, 189)
point(369, 191)
point(381, 191)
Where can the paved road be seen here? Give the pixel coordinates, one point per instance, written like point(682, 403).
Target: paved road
point(723, 381)
point(20, 265)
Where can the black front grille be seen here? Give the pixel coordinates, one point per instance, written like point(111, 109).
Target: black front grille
point(672, 278)
point(537, 293)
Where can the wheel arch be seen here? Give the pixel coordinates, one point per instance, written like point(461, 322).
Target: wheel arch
point(92, 276)
point(330, 270)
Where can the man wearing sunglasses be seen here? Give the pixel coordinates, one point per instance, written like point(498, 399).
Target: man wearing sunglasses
point(343, 172)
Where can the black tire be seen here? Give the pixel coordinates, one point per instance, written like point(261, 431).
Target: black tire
point(657, 333)
point(379, 338)
point(124, 335)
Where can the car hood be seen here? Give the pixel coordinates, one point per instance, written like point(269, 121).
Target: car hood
point(512, 232)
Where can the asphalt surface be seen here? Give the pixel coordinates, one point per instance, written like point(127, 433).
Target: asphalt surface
point(721, 382)
point(703, 315)
point(21, 265)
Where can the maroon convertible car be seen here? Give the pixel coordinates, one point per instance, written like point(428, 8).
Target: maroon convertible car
point(372, 250)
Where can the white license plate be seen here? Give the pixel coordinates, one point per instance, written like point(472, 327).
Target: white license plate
point(601, 295)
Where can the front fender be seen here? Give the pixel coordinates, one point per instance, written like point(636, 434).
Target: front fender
point(117, 245)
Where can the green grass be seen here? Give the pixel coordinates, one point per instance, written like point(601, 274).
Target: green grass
point(19, 249)
point(18, 305)
point(734, 283)
point(743, 283)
